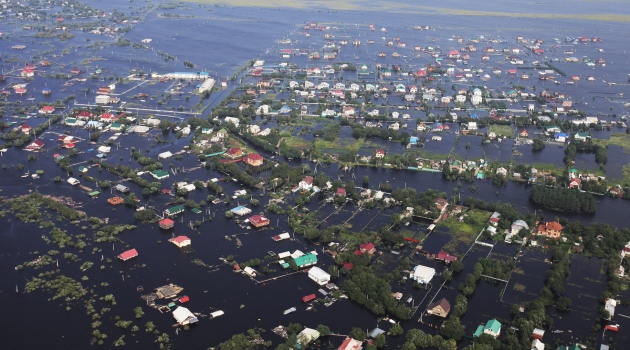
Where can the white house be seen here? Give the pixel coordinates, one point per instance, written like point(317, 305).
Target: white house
point(263, 109)
point(102, 99)
point(306, 183)
point(183, 316)
point(476, 99)
point(323, 85)
point(460, 98)
point(232, 120)
point(318, 275)
point(422, 274)
point(253, 129)
point(472, 125)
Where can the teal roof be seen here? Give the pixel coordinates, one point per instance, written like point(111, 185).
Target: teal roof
point(494, 326)
point(478, 332)
point(196, 210)
point(159, 173)
point(175, 210)
point(306, 260)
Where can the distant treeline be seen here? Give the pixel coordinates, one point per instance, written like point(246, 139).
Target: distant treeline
point(563, 199)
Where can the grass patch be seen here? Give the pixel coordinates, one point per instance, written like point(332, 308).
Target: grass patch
point(625, 172)
point(464, 233)
point(340, 145)
point(619, 139)
point(438, 156)
point(502, 130)
point(547, 168)
point(519, 287)
point(296, 142)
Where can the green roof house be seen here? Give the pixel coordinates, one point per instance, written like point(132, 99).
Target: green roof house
point(581, 136)
point(174, 210)
point(159, 174)
point(568, 347)
point(306, 260)
point(492, 328)
point(117, 127)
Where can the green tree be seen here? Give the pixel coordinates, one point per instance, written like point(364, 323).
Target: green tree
point(453, 328)
point(539, 145)
point(396, 330)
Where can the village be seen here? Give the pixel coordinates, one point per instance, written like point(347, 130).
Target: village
point(318, 176)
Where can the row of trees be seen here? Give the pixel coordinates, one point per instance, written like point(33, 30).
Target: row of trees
point(563, 199)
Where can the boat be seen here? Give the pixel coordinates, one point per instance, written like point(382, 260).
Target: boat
point(288, 311)
point(613, 327)
point(26, 174)
point(35, 176)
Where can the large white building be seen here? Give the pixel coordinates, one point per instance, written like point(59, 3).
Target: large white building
point(422, 274)
point(318, 275)
point(183, 316)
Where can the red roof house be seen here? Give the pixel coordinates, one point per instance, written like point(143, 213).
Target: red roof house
point(234, 152)
point(132, 253)
point(26, 128)
point(166, 224)
point(184, 299)
point(254, 159)
point(20, 91)
point(367, 248)
point(348, 265)
point(27, 73)
point(258, 221)
point(180, 241)
point(341, 192)
point(47, 110)
point(35, 145)
point(85, 115)
point(351, 344)
point(551, 229)
point(308, 298)
point(446, 257)
point(380, 153)
point(108, 117)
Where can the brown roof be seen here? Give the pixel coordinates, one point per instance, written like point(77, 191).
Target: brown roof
point(443, 303)
point(550, 226)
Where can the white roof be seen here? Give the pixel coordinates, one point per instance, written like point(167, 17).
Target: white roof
point(297, 254)
point(217, 313)
point(181, 314)
point(316, 271)
point(166, 154)
point(423, 274)
point(284, 236)
point(284, 255)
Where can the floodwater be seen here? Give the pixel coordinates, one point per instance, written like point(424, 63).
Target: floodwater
point(228, 38)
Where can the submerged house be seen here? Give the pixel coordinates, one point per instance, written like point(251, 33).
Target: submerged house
point(131, 253)
point(180, 241)
point(492, 328)
point(439, 308)
point(318, 275)
point(258, 221)
point(183, 316)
